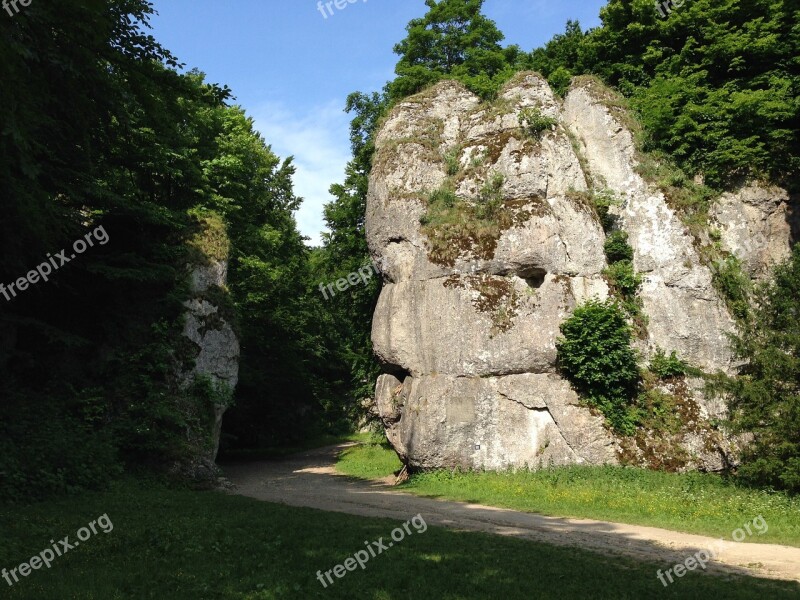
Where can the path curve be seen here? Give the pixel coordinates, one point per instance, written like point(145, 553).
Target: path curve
point(310, 479)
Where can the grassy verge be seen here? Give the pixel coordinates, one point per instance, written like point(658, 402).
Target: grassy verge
point(370, 460)
point(201, 545)
point(692, 502)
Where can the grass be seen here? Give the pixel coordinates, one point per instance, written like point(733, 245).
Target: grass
point(369, 461)
point(691, 502)
point(179, 544)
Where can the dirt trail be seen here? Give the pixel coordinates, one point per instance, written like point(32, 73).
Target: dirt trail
point(309, 479)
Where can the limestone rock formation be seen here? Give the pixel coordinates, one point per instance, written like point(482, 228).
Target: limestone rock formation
point(216, 341)
point(493, 422)
point(467, 322)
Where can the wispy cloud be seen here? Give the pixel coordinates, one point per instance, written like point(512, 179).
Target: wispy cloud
point(318, 140)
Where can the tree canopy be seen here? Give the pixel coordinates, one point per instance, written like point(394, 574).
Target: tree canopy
point(454, 39)
point(714, 82)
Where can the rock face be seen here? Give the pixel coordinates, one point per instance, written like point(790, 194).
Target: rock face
point(467, 323)
point(758, 224)
point(685, 313)
point(493, 422)
point(216, 343)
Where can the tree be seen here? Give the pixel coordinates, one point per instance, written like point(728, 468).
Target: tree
point(714, 81)
point(91, 137)
point(352, 367)
point(560, 58)
point(101, 130)
point(454, 39)
point(765, 397)
point(251, 188)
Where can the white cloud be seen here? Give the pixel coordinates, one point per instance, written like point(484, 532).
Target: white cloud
point(319, 141)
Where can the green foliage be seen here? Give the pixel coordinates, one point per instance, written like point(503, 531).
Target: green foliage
point(595, 354)
point(658, 411)
point(452, 161)
point(117, 157)
point(667, 367)
point(713, 83)
point(559, 57)
point(765, 397)
point(269, 281)
point(176, 177)
point(617, 248)
point(560, 80)
point(620, 274)
point(534, 123)
point(603, 201)
point(440, 199)
point(54, 446)
point(623, 279)
point(343, 324)
point(490, 197)
point(734, 285)
point(453, 40)
point(204, 395)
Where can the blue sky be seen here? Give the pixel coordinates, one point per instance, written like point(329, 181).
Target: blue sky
point(292, 69)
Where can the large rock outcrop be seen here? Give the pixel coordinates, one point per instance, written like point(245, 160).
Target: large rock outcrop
point(467, 323)
point(210, 370)
point(214, 338)
point(685, 312)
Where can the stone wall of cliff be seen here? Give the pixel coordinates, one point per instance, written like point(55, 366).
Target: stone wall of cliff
point(466, 325)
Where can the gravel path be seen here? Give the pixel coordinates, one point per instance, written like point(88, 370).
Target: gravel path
point(310, 479)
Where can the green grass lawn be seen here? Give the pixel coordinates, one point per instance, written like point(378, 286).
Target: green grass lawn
point(691, 502)
point(178, 544)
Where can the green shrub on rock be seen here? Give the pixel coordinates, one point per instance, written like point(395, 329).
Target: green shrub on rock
point(595, 354)
point(534, 123)
point(623, 279)
point(667, 367)
point(617, 247)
